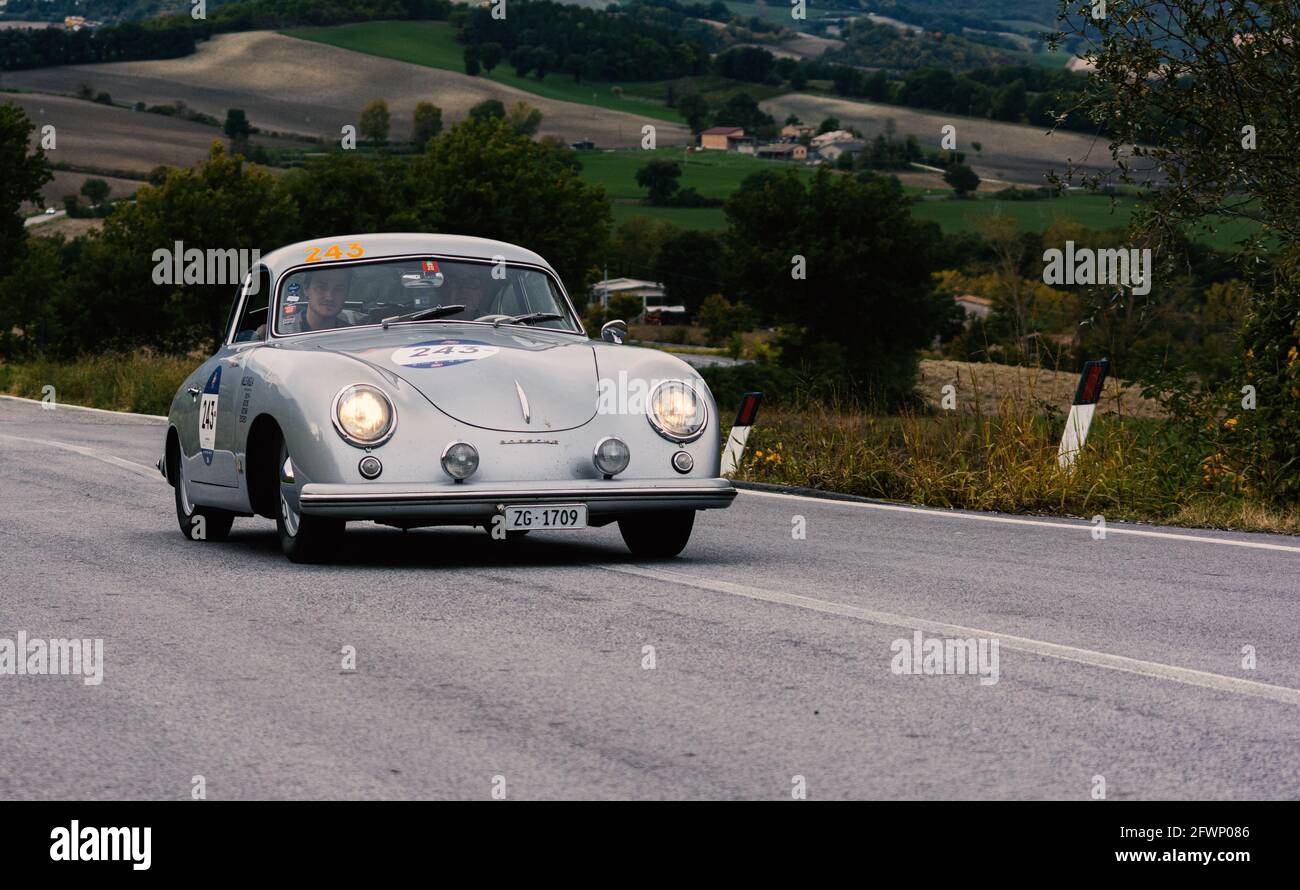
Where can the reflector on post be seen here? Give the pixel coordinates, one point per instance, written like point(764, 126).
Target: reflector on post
point(739, 435)
point(1086, 396)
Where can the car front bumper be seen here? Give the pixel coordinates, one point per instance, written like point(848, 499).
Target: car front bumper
point(469, 502)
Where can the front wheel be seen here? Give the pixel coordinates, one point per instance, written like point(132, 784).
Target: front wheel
point(304, 539)
point(198, 523)
point(660, 534)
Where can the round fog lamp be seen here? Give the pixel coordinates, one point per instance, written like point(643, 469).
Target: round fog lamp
point(460, 460)
point(370, 467)
point(683, 462)
point(611, 456)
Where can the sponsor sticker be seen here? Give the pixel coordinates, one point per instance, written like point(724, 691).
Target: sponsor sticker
point(442, 353)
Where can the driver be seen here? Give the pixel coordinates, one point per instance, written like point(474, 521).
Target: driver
point(326, 290)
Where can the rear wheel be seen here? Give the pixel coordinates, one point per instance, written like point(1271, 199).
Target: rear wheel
point(306, 539)
point(660, 534)
point(198, 523)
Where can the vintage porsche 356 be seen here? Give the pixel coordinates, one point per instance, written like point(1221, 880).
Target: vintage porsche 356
point(419, 380)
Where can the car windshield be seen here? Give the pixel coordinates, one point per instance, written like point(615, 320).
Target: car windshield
point(428, 289)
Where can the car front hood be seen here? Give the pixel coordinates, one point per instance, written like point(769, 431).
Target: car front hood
point(509, 378)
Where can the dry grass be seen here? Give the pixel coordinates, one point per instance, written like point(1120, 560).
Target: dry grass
point(981, 387)
point(139, 382)
point(1016, 153)
point(67, 227)
point(1131, 469)
point(295, 86)
point(68, 182)
point(107, 137)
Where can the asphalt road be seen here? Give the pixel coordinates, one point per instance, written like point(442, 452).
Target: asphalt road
point(1119, 658)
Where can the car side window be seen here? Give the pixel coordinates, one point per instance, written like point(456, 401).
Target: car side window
point(252, 321)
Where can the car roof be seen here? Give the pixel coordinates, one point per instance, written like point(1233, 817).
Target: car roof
point(391, 244)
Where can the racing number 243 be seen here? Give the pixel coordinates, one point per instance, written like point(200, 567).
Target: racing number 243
point(333, 252)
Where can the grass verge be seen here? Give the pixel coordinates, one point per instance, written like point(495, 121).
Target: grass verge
point(1133, 468)
point(140, 382)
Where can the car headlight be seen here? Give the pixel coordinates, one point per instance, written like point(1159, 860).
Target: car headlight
point(364, 415)
point(677, 412)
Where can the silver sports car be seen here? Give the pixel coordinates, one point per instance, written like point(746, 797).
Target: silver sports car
point(416, 380)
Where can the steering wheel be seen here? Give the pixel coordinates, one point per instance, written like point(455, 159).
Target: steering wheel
point(494, 318)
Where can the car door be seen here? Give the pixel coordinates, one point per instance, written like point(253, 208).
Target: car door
point(217, 401)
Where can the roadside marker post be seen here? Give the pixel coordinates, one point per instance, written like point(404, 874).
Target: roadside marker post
point(1086, 397)
point(739, 435)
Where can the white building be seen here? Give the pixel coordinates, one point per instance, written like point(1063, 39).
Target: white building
point(818, 142)
point(650, 292)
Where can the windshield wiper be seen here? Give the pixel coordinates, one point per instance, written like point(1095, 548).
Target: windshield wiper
point(530, 318)
point(425, 314)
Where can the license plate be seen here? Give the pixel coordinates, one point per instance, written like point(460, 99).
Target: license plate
point(540, 518)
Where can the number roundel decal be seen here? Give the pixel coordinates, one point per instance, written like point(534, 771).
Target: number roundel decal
point(442, 353)
point(208, 416)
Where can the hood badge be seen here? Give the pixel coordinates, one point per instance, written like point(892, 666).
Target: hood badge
point(523, 402)
point(530, 441)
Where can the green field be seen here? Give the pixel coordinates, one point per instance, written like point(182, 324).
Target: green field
point(715, 174)
point(774, 13)
point(1097, 212)
point(718, 174)
point(1089, 211)
point(433, 45)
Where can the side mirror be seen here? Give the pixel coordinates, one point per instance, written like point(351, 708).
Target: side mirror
point(614, 331)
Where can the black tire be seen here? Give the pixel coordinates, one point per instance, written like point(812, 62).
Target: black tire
point(215, 523)
point(658, 535)
point(304, 539)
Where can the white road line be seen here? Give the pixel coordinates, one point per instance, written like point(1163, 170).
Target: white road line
point(1080, 526)
point(923, 511)
point(61, 405)
point(139, 469)
point(1217, 682)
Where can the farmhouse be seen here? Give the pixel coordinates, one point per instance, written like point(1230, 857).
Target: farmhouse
point(834, 150)
point(974, 306)
point(651, 294)
point(783, 151)
point(818, 142)
point(726, 139)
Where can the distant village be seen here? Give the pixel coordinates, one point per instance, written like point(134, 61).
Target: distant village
point(70, 22)
point(796, 144)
